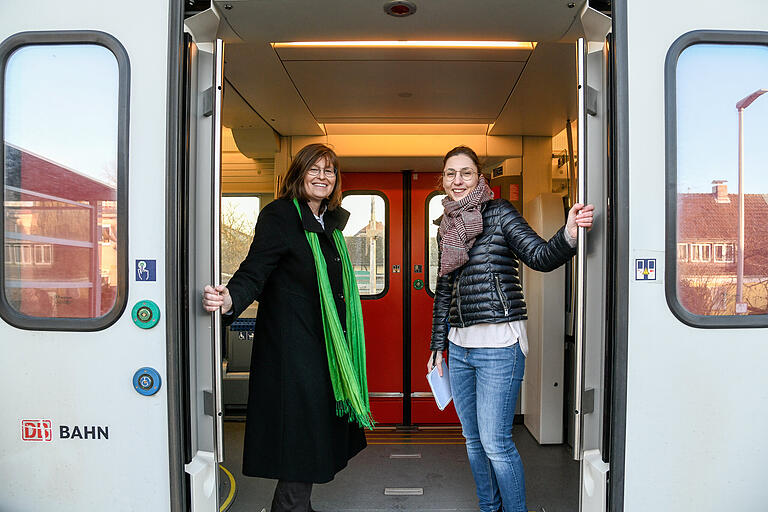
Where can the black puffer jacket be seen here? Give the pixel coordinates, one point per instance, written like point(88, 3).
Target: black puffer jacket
point(486, 289)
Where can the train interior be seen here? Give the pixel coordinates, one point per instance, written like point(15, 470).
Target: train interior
point(392, 93)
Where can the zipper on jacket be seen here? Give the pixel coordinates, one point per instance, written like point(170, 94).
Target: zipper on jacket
point(458, 297)
point(501, 295)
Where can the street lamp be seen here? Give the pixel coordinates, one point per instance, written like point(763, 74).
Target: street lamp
point(740, 106)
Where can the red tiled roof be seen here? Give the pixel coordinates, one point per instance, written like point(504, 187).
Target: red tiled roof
point(700, 218)
point(33, 173)
point(378, 230)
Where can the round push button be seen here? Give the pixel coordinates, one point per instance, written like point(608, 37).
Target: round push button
point(146, 381)
point(145, 314)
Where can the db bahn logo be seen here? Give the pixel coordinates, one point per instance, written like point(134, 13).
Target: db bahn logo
point(42, 430)
point(36, 430)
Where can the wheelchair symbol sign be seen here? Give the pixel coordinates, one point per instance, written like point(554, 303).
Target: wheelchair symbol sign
point(645, 269)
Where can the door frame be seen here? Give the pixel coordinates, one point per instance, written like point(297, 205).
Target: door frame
point(407, 277)
point(619, 149)
point(178, 147)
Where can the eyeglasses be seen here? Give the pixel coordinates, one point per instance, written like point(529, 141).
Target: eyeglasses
point(466, 174)
point(315, 171)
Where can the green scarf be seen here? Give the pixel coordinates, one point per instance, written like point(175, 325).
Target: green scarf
point(346, 357)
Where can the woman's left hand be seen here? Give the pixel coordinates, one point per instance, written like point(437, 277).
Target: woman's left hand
point(580, 216)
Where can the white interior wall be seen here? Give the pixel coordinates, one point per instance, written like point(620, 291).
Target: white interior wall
point(545, 298)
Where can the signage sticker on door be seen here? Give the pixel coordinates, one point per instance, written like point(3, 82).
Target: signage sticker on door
point(645, 269)
point(146, 270)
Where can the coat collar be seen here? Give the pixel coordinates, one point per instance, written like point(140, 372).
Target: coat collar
point(333, 219)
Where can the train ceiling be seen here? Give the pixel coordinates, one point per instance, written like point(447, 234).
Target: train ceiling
point(307, 91)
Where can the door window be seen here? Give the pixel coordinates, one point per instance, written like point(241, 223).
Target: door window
point(238, 219)
point(434, 211)
point(716, 180)
point(64, 117)
point(366, 237)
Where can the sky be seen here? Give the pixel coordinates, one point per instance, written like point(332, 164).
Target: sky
point(61, 103)
point(244, 207)
point(711, 79)
point(359, 207)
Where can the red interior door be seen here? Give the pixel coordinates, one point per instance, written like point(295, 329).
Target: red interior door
point(375, 227)
point(425, 208)
point(396, 356)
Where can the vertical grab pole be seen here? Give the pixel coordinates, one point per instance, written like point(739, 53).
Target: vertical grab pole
point(216, 247)
point(581, 255)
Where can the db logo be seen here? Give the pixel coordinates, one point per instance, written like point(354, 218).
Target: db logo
point(36, 430)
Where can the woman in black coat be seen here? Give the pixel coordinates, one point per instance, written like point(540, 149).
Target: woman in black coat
point(480, 312)
point(298, 429)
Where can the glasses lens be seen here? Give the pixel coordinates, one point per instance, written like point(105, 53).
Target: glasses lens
point(316, 172)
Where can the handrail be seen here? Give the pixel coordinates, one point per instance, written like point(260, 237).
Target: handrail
point(217, 342)
point(581, 257)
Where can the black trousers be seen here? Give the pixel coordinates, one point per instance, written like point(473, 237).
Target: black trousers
point(292, 497)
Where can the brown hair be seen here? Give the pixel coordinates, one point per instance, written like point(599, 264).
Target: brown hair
point(463, 150)
point(293, 183)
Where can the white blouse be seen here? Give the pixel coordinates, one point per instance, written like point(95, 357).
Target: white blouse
point(484, 335)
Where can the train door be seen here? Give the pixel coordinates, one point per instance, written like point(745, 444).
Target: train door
point(374, 235)
point(88, 332)
point(691, 151)
point(391, 215)
point(201, 246)
point(426, 207)
point(592, 266)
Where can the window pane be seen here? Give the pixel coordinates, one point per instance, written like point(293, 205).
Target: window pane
point(238, 219)
point(434, 211)
point(61, 138)
point(365, 235)
point(717, 85)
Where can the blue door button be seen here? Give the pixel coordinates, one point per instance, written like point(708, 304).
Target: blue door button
point(146, 381)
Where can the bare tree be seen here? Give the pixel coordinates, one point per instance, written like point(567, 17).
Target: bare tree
point(236, 238)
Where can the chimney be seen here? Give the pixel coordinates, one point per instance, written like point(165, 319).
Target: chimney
point(720, 191)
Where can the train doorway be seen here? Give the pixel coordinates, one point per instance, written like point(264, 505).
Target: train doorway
point(390, 154)
point(392, 216)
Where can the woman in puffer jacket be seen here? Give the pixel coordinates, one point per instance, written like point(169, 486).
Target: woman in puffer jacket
point(479, 309)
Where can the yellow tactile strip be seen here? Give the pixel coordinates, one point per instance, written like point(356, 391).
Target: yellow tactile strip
point(388, 436)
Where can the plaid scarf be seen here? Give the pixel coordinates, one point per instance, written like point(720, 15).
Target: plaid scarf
point(462, 222)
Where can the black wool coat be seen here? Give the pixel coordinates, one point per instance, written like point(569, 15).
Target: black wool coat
point(292, 432)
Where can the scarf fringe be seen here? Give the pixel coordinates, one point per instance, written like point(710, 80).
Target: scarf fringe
point(343, 408)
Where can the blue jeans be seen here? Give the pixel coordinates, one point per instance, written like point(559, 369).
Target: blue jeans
point(485, 383)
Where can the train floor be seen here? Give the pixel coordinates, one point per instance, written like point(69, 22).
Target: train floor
point(430, 461)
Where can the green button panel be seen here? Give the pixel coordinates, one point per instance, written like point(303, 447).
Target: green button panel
point(145, 314)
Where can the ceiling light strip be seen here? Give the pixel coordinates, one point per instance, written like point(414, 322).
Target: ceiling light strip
point(492, 45)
